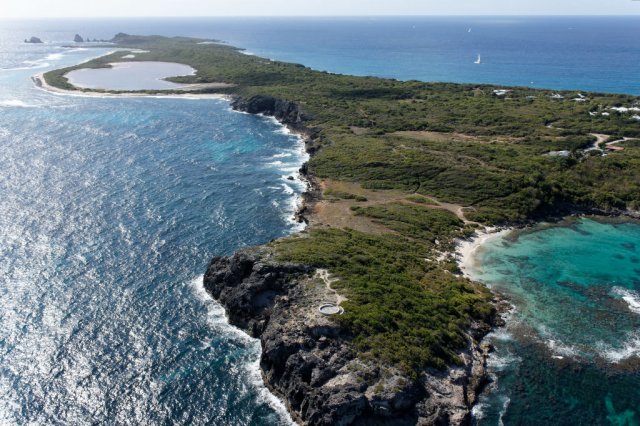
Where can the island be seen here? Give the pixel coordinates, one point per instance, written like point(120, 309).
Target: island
point(33, 39)
point(364, 317)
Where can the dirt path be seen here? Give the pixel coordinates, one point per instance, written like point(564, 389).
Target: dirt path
point(456, 209)
point(323, 274)
point(601, 138)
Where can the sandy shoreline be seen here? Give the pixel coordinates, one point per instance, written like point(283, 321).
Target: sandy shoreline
point(41, 83)
point(466, 250)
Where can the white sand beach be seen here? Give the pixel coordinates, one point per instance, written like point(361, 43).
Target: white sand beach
point(41, 83)
point(466, 250)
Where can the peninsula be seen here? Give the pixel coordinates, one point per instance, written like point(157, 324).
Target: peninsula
point(364, 317)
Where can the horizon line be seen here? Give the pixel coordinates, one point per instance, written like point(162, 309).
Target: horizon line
point(323, 16)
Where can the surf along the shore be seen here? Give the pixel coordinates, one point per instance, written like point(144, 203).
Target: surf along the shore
point(356, 130)
point(574, 291)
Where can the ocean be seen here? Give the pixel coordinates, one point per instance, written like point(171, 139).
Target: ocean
point(569, 352)
point(574, 53)
point(110, 210)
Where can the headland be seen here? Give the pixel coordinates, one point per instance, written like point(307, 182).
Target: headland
point(399, 172)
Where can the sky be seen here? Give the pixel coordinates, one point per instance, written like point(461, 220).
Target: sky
point(117, 8)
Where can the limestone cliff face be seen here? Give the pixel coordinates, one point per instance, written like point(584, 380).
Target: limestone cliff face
point(287, 113)
point(290, 115)
point(307, 359)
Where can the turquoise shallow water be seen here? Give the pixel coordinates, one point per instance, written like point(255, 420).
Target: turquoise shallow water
point(569, 353)
point(110, 210)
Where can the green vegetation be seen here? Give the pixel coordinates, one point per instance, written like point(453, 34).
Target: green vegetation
point(344, 195)
point(457, 143)
point(417, 222)
point(419, 199)
point(401, 308)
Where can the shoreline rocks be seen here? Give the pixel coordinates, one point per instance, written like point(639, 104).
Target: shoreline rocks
point(307, 358)
point(34, 40)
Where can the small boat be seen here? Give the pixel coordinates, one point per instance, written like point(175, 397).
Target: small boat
point(478, 61)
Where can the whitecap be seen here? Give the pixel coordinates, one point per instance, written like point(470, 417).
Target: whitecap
point(477, 412)
point(505, 406)
point(15, 103)
point(283, 155)
point(499, 362)
point(287, 189)
point(54, 56)
point(501, 334)
point(630, 348)
point(561, 349)
point(217, 318)
point(32, 66)
point(632, 298)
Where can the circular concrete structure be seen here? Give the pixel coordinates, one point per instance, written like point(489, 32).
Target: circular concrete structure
point(330, 309)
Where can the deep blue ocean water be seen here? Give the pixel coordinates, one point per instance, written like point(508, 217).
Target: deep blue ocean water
point(581, 53)
point(110, 210)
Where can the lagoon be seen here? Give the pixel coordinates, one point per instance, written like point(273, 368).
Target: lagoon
point(130, 76)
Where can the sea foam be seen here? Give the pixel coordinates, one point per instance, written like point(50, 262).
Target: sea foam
point(15, 103)
point(615, 355)
point(632, 298)
point(217, 318)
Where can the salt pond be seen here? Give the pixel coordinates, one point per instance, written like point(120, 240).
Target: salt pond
point(130, 76)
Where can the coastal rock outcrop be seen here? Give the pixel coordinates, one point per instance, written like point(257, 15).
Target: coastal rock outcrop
point(33, 40)
point(78, 38)
point(289, 114)
point(308, 361)
point(284, 111)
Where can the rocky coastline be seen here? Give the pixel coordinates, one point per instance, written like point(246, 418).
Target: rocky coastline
point(306, 357)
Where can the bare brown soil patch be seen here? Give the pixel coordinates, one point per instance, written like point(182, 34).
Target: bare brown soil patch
point(336, 212)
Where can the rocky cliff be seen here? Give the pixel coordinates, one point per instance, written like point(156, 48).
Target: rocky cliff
point(307, 359)
point(289, 115)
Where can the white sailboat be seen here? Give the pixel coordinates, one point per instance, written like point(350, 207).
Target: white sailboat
point(479, 60)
